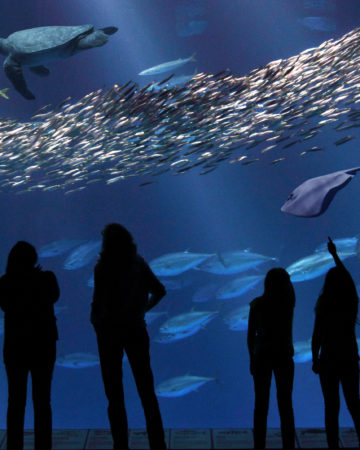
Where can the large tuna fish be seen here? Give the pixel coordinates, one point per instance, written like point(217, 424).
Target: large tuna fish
point(163, 338)
point(78, 360)
point(187, 321)
point(313, 266)
point(173, 264)
point(236, 261)
point(239, 286)
point(237, 320)
point(82, 255)
point(179, 386)
point(59, 247)
point(348, 246)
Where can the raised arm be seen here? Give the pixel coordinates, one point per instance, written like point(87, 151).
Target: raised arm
point(340, 265)
point(332, 250)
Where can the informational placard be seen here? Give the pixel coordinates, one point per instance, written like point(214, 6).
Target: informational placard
point(28, 439)
point(69, 439)
point(2, 438)
point(229, 438)
point(311, 438)
point(273, 438)
point(138, 439)
point(62, 439)
point(190, 439)
point(348, 438)
point(99, 439)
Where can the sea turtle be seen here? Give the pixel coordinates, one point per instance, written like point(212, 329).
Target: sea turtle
point(35, 46)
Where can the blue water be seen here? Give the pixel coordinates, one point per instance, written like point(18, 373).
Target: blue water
point(235, 207)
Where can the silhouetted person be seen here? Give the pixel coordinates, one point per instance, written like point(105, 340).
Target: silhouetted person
point(27, 296)
point(123, 283)
point(334, 346)
point(271, 350)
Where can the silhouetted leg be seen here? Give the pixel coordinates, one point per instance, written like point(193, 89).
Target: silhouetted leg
point(284, 377)
point(350, 384)
point(262, 383)
point(17, 384)
point(41, 375)
point(329, 380)
point(137, 349)
point(111, 354)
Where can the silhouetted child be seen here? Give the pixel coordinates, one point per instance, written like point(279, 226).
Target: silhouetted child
point(27, 295)
point(123, 283)
point(271, 351)
point(334, 346)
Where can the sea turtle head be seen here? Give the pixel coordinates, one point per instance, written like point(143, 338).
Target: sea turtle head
point(3, 47)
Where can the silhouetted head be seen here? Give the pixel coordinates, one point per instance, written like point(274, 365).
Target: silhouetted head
point(22, 258)
point(338, 286)
point(278, 286)
point(3, 48)
point(117, 243)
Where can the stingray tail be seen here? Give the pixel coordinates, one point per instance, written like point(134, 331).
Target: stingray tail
point(353, 171)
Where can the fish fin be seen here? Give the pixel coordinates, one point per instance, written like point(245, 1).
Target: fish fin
point(221, 259)
point(3, 93)
point(192, 58)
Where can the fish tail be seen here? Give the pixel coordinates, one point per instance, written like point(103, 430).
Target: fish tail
point(357, 247)
point(217, 378)
point(192, 58)
point(223, 311)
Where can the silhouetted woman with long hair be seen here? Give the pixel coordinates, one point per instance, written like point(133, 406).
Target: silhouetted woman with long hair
point(334, 346)
point(27, 296)
point(123, 284)
point(271, 351)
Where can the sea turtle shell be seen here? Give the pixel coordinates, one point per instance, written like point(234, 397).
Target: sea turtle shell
point(43, 39)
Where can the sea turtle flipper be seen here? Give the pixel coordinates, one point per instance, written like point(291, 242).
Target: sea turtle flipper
point(42, 71)
point(13, 71)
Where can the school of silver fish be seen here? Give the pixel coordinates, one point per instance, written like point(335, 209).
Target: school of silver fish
point(131, 131)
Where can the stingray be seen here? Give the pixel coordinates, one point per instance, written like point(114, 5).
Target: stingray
point(313, 196)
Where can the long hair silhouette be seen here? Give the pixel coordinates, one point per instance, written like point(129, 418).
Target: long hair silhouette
point(278, 288)
point(338, 287)
point(22, 257)
point(118, 247)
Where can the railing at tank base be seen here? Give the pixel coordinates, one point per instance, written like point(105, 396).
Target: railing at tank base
point(187, 439)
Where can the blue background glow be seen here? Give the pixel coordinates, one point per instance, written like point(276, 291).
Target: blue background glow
point(234, 207)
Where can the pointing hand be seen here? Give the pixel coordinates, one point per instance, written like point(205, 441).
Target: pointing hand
point(331, 246)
